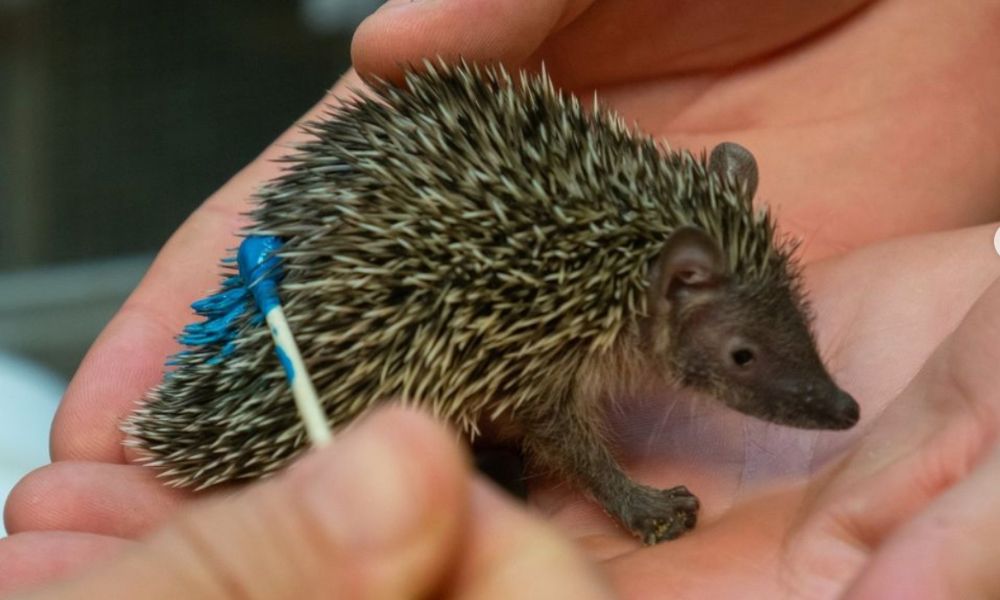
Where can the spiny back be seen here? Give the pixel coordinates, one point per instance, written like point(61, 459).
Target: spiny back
point(465, 242)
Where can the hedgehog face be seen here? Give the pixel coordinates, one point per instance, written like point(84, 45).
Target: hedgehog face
point(756, 354)
point(747, 344)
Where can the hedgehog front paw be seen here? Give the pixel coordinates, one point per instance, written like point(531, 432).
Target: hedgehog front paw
point(657, 515)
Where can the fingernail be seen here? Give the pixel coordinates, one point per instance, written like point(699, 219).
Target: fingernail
point(398, 4)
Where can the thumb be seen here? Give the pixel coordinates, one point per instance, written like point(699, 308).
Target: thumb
point(377, 514)
point(407, 31)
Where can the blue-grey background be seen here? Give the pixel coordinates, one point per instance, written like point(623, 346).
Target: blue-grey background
point(117, 118)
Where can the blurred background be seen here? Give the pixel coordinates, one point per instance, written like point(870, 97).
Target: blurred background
point(117, 118)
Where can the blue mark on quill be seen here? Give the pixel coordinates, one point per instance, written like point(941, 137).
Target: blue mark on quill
point(256, 283)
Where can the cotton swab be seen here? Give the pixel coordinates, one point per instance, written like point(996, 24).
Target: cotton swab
point(260, 269)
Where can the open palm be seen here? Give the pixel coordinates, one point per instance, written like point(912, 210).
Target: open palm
point(802, 514)
point(869, 121)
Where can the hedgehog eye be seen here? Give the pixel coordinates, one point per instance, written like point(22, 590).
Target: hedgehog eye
point(742, 357)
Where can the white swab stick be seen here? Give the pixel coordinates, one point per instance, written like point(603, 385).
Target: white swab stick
point(303, 390)
point(260, 269)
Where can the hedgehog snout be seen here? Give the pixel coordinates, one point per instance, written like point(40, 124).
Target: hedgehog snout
point(826, 406)
point(843, 410)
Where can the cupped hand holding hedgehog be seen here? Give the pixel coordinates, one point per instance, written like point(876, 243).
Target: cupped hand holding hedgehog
point(816, 532)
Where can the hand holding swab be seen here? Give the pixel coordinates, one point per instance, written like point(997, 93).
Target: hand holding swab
point(260, 270)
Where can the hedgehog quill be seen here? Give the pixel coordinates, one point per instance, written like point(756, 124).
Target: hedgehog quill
point(481, 245)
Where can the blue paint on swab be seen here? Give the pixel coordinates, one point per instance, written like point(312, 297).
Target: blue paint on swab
point(260, 268)
point(286, 363)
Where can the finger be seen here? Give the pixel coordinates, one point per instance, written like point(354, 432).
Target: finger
point(128, 357)
point(929, 438)
point(377, 514)
point(506, 31)
point(653, 38)
point(943, 422)
point(118, 500)
point(948, 551)
point(573, 37)
point(35, 558)
point(509, 551)
point(956, 266)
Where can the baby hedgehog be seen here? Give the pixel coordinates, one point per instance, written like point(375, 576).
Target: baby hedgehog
point(484, 247)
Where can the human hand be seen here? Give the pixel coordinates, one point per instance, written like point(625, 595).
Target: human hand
point(388, 510)
point(856, 142)
point(843, 203)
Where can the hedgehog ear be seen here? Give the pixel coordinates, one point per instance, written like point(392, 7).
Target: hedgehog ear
point(690, 262)
point(732, 160)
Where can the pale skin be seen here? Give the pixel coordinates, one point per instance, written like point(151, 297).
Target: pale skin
point(869, 122)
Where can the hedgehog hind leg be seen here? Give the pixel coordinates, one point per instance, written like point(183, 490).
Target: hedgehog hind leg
point(571, 443)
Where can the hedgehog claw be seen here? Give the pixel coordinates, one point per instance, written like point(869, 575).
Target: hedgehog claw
point(660, 515)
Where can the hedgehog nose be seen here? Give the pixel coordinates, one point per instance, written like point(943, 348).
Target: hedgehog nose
point(845, 410)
